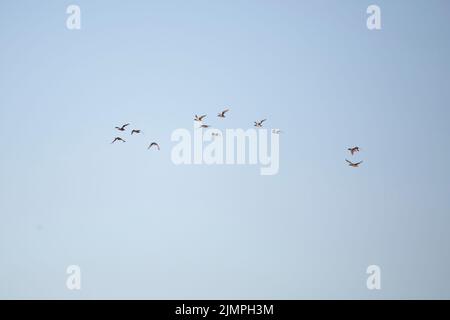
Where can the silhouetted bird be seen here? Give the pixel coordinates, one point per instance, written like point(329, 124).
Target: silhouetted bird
point(354, 165)
point(259, 124)
point(222, 114)
point(117, 139)
point(153, 144)
point(122, 128)
point(200, 119)
point(353, 150)
point(205, 126)
point(135, 131)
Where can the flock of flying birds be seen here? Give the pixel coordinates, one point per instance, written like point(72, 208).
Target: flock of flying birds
point(353, 151)
point(258, 124)
point(222, 114)
point(134, 131)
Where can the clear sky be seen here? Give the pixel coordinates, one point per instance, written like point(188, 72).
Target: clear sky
point(141, 227)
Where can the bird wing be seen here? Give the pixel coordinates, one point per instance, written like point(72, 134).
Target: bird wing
point(263, 120)
point(201, 117)
point(225, 111)
point(348, 161)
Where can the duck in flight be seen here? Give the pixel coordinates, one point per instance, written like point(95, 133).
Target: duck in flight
point(122, 128)
point(135, 131)
point(199, 119)
point(353, 150)
point(204, 126)
point(222, 114)
point(118, 139)
point(352, 164)
point(153, 144)
point(259, 124)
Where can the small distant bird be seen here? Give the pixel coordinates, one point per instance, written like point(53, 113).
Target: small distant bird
point(135, 131)
point(259, 124)
point(222, 114)
point(118, 139)
point(122, 128)
point(353, 150)
point(200, 119)
point(277, 131)
point(354, 165)
point(215, 134)
point(153, 144)
point(204, 126)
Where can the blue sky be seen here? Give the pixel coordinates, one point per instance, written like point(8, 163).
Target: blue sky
point(141, 227)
